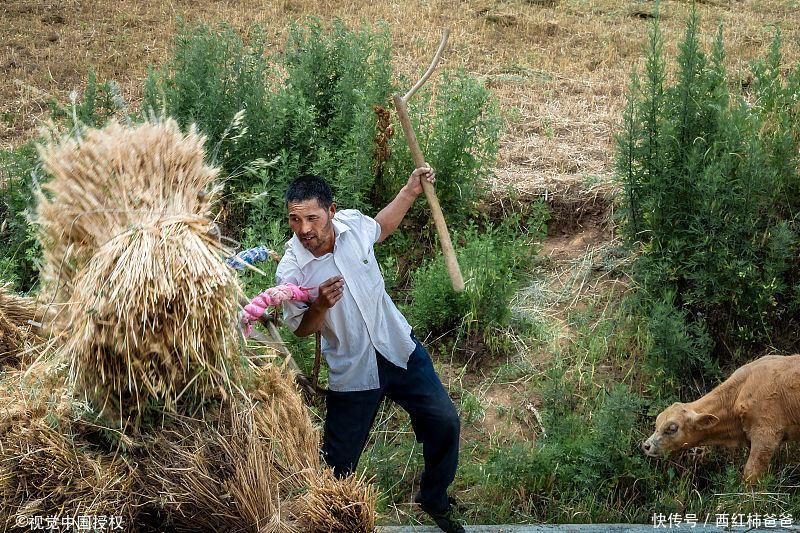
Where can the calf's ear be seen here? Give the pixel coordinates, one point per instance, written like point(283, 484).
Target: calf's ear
point(705, 421)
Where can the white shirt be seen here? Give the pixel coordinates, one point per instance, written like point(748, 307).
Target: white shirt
point(365, 319)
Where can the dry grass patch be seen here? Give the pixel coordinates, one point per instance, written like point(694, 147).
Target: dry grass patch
point(47, 468)
point(560, 68)
point(250, 464)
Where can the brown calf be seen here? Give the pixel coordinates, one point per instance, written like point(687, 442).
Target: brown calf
point(758, 406)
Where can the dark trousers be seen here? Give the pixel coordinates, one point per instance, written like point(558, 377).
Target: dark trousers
point(434, 418)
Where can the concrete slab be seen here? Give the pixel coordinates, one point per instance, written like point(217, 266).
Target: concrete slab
point(588, 528)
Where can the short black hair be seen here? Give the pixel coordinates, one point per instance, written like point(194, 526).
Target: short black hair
point(309, 187)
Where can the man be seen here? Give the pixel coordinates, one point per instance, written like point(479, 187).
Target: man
point(369, 346)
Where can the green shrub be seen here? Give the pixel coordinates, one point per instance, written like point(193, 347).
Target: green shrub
point(211, 76)
point(100, 101)
point(588, 451)
point(21, 174)
point(711, 188)
point(491, 258)
point(610, 454)
point(312, 108)
point(18, 171)
point(458, 126)
point(679, 347)
point(589, 442)
point(516, 468)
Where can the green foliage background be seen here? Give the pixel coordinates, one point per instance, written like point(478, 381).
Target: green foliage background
point(712, 195)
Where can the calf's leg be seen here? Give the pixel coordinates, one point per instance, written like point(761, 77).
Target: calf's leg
point(763, 443)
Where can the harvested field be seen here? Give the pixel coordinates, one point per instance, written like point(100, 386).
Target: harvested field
point(559, 68)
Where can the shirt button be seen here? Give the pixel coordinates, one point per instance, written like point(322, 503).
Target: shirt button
point(366, 261)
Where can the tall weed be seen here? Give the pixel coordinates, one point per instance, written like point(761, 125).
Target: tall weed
point(320, 106)
point(679, 348)
point(492, 258)
point(20, 248)
point(710, 182)
point(458, 124)
point(21, 174)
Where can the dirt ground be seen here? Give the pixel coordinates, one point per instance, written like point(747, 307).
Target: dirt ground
point(570, 262)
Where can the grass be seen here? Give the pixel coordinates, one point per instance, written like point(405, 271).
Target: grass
point(533, 422)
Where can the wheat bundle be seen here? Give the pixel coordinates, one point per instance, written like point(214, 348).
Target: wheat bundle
point(35, 392)
point(146, 305)
point(46, 472)
point(130, 251)
point(242, 466)
point(239, 467)
point(339, 505)
point(48, 468)
point(17, 334)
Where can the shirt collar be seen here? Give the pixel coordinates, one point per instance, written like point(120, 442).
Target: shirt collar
point(304, 256)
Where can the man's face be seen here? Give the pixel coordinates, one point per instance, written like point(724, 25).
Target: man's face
point(312, 225)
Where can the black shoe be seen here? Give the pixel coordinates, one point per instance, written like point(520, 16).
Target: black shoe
point(446, 519)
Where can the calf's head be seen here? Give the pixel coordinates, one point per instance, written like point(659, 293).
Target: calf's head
point(677, 428)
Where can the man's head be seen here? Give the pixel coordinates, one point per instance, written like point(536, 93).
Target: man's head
point(309, 201)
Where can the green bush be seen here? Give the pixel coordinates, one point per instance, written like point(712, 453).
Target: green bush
point(21, 174)
point(587, 452)
point(458, 126)
point(610, 453)
point(589, 442)
point(100, 101)
point(319, 106)
point(711, 188)
point(679, 347)
point(491, 258)
point(18, 171)
point(211, 76)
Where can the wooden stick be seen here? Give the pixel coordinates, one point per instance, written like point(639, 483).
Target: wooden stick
point(317, 357)
point(419, 161)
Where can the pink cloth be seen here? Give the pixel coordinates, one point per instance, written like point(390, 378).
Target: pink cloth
point(269, 298)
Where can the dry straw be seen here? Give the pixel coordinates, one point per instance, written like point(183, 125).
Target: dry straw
point(131, 254)
point(17, 333)
point(47, 465)
point(334, 505)
point(241, 466)
point(146, 307)
point(251, 464)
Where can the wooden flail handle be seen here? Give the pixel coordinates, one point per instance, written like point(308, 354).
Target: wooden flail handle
point(419, 161)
